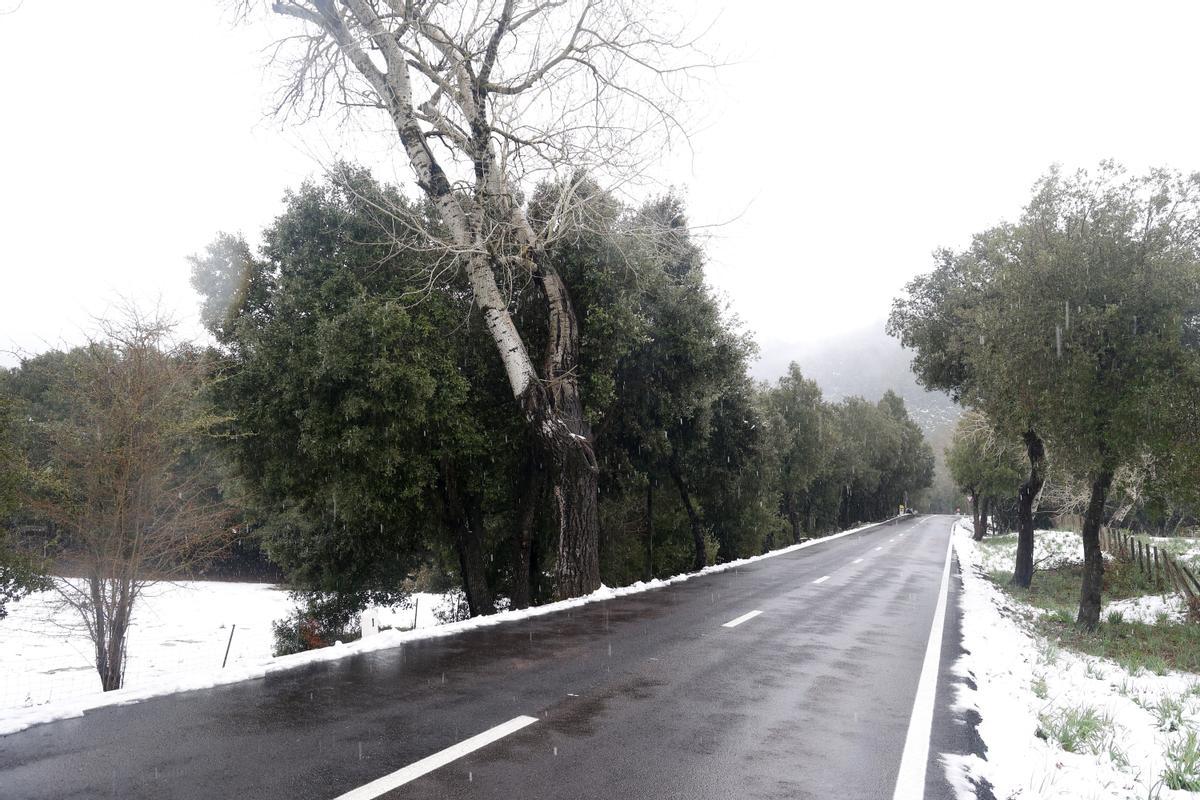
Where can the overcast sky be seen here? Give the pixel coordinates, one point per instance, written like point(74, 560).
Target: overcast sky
point(848, 141)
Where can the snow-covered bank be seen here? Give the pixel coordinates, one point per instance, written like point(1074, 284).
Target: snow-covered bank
point(177, 628)
point(1024, 684)
point(255, 664)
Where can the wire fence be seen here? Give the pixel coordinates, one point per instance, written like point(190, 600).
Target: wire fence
point(176, 635)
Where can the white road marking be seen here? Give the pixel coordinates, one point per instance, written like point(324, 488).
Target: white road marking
point(733, 623)
point(822, 579)
point(878, 548)
point(857, 560)
point(426, 765)
point(910, 783)
point(891, 540)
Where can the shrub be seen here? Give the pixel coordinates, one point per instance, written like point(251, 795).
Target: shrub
point(320, 621)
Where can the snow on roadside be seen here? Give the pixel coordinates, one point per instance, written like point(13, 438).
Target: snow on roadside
point(16, 719)
point(1003, 663)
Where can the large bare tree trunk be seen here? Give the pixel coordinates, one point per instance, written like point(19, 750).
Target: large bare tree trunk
point(557, 415)
point(1093, 559)
point(1036, 451)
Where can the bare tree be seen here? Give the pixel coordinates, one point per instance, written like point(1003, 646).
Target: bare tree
point(487, 97)
point(125, 481)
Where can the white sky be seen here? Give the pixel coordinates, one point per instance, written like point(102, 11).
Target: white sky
point(850, 140)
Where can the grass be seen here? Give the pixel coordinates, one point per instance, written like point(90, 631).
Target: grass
point(1155, 648)
point(1134, 645)
point(1039, 687)
point(1077, 730)
point(1169, 712)
point(1183, 764)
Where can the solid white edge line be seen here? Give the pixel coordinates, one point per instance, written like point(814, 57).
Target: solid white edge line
point(733, 623)
point(440, 759)
point(822, 579)
point(910, 782)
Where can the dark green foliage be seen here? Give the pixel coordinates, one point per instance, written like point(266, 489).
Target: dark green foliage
point(370, 425)
point(345, 396)
point(321, 620)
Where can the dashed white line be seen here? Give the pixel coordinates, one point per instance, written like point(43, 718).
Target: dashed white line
point(733, 623)
point(878, 548)
point(822, 579)
point(857, 560)
point(387, 783)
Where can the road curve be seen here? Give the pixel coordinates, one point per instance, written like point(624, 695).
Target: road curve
point(652, 695)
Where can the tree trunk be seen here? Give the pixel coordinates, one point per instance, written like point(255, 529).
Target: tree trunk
point(558, 420)
point(985, 507)
point(109, 624)
point(978, 534)
point(465, 521)
point(1036, 451)
point(1093, 559)
point(532, 495)
point(701, 556)
point(649, 570)
point(792, 512)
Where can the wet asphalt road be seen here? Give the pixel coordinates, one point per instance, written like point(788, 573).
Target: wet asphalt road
point(645, 696)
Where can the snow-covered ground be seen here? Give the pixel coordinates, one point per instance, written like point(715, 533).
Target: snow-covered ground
point(1050, 549)
point(195, 612)
point(1021, 684)
point(178, 629)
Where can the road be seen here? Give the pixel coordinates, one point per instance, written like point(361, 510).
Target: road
point(650, 695)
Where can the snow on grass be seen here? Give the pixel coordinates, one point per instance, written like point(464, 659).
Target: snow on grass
point(1104, 732)
point(1149, 608)
point(252, 605)
point(1050, 549)
point(178, 628)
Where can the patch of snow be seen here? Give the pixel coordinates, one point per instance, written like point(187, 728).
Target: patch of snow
point(256, 663)
point(1002, 661)
point(1148, 608)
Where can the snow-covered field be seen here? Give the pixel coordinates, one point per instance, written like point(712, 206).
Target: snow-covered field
point(178, 629)
point(192, 609)
point(1124, 726)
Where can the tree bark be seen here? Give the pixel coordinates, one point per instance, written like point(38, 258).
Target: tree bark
point(978, 531)
point(1036, 451)
point(1093, 559)
point(532, 495)
point(793, 515)
point(985, 507)
point(701, 557)
point(558, 420)
point(649, 570)
point(465, 520)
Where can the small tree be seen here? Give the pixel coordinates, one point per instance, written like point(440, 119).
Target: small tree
point(123, 479)
point(983, 465)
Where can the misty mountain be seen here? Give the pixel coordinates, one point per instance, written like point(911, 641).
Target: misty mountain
point(867, 362)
